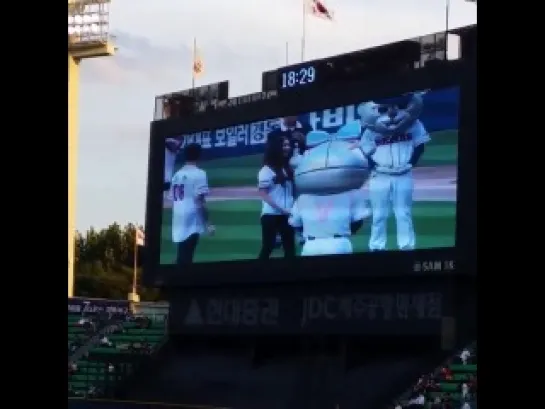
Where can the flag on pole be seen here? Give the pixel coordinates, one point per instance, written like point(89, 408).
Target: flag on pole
point(318, 9)
point(198, 64)
point(140, 237)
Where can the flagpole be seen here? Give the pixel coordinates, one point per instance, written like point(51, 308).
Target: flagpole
point(194, 61)
point(303, 39)
point(287, 53)
point(134, 277)
point(447, 12)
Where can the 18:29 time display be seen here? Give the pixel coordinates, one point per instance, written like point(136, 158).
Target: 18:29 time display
point(297, 77)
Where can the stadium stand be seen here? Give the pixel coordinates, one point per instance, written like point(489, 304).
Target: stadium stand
point(80, 330)
point(283, 372)
point(111, 353)
point(451, 385)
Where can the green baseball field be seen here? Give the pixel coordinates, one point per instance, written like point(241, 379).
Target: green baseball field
point(235, 208)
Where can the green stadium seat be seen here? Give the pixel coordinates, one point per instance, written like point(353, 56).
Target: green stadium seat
point(449, 387)
point(454, 395)
point(87, 377)
point(460, 377)
point(136, 337)
point(95, 373)
point(464, 368)
point(78, 385)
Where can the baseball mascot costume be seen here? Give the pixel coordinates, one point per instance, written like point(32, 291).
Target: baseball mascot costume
point(329, 177)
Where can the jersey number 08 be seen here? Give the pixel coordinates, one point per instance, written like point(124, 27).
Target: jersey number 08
point(178, 192)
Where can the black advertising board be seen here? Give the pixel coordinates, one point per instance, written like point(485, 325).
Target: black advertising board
point(379, 307)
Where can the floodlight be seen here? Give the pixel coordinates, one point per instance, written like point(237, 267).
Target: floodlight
point(88, 37)
point(88, 22)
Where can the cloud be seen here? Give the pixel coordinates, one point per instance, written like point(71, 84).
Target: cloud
point(166, 68)
point(136, 59)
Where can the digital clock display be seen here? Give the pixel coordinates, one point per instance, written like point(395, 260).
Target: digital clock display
point(297, 77)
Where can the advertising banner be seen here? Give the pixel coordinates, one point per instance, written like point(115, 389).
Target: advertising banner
point(372, 309)
point(245, 139)
point(95, 305)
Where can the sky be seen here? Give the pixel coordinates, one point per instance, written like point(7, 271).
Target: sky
point(238, 40)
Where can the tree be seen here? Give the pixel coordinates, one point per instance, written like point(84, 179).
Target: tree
point(104, 263)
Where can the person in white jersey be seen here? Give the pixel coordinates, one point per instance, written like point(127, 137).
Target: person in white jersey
point(189, 188)
point(275, 187)
point(172, 148)
point(295, 130)
point(399, 146)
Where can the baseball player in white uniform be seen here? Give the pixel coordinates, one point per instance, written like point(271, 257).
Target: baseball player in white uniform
point(391, 183)
point(189, 188)
point(328, 221)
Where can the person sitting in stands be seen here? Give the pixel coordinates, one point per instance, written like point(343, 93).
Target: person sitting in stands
point(72, 368)
point(465, 355)
point(464, 388)
point(465, 405)
point(88, 324)
point(432, 386)
point(417, 402)
point(105, 342)
point(83, 321)
point(420, 384)
point(446, 373)
point(92, 392)
point(437, 404)
point(447, 401)
point(472, 385)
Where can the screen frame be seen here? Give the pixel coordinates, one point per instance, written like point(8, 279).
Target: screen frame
point(455, 73)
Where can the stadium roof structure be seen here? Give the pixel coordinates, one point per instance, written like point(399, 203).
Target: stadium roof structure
point(463, 30)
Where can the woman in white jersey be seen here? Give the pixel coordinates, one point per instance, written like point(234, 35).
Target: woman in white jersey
point(275, 185)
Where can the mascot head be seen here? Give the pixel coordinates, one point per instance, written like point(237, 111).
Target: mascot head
point(329, 166)
point(397, 114)
point(369, 113)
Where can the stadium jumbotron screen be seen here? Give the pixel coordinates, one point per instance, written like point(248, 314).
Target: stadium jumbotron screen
point(373, 176)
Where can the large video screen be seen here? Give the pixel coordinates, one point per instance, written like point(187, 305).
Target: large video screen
point(369, 177)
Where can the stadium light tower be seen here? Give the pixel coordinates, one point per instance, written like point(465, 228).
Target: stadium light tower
point(88, 37)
